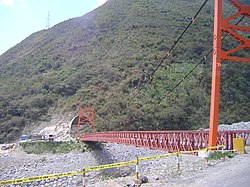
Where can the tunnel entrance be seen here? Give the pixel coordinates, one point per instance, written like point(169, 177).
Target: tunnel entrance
point(73, 127)
point(84, 129)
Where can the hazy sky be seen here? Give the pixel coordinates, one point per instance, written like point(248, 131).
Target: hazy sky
point(20, 18)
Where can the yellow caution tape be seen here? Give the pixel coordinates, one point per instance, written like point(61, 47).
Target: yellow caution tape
point(36, 178)
point(218, 146)
point(204, 149)
point(106, 166)
point(157, 157)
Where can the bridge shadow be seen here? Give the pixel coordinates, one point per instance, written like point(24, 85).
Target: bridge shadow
point(102, 156)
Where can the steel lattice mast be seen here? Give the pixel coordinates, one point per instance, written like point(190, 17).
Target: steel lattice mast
point(222, 25)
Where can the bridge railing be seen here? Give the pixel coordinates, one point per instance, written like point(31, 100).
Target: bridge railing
point(166, 140)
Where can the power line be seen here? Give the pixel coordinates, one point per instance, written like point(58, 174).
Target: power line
point(189, 73)
point(168, 52)
point(182, 80)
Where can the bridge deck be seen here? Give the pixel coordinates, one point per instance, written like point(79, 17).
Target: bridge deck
point(167, 140)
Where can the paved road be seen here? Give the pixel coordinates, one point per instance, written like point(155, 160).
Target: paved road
point(236, 172)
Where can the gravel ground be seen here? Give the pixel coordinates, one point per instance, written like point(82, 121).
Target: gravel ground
point(18, 164)
point(160, 172)
point(235, 126)
point(228, 173)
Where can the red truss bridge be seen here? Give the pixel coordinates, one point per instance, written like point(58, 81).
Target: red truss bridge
point(167, 140)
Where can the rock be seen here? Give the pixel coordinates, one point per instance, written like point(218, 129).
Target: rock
point(128, 185)
point(235, 126)
point(156, 178)
point(42, 182)
point(47, 180)
point(144, 179)
point(35, 183)
point(76, 177)
point(65, 183)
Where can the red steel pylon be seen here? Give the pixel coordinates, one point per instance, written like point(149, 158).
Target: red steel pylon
point(223, 25)
point(86, 117)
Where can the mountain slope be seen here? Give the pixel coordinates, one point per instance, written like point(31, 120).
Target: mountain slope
point(100, 60)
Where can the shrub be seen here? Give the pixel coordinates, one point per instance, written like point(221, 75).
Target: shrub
point(218, 155)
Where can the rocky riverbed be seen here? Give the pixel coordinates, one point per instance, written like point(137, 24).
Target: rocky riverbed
point(19, 165)
point(159, 172)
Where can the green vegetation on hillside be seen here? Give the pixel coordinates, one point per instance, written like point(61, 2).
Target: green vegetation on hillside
point(101, 59)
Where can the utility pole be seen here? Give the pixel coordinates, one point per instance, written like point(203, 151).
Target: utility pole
point(48, 19)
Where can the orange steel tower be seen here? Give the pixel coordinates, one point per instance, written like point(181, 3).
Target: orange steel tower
point(86, 117)
point(223, 25)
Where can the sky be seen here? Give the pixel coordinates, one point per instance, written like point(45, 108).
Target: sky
point(20, 18)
